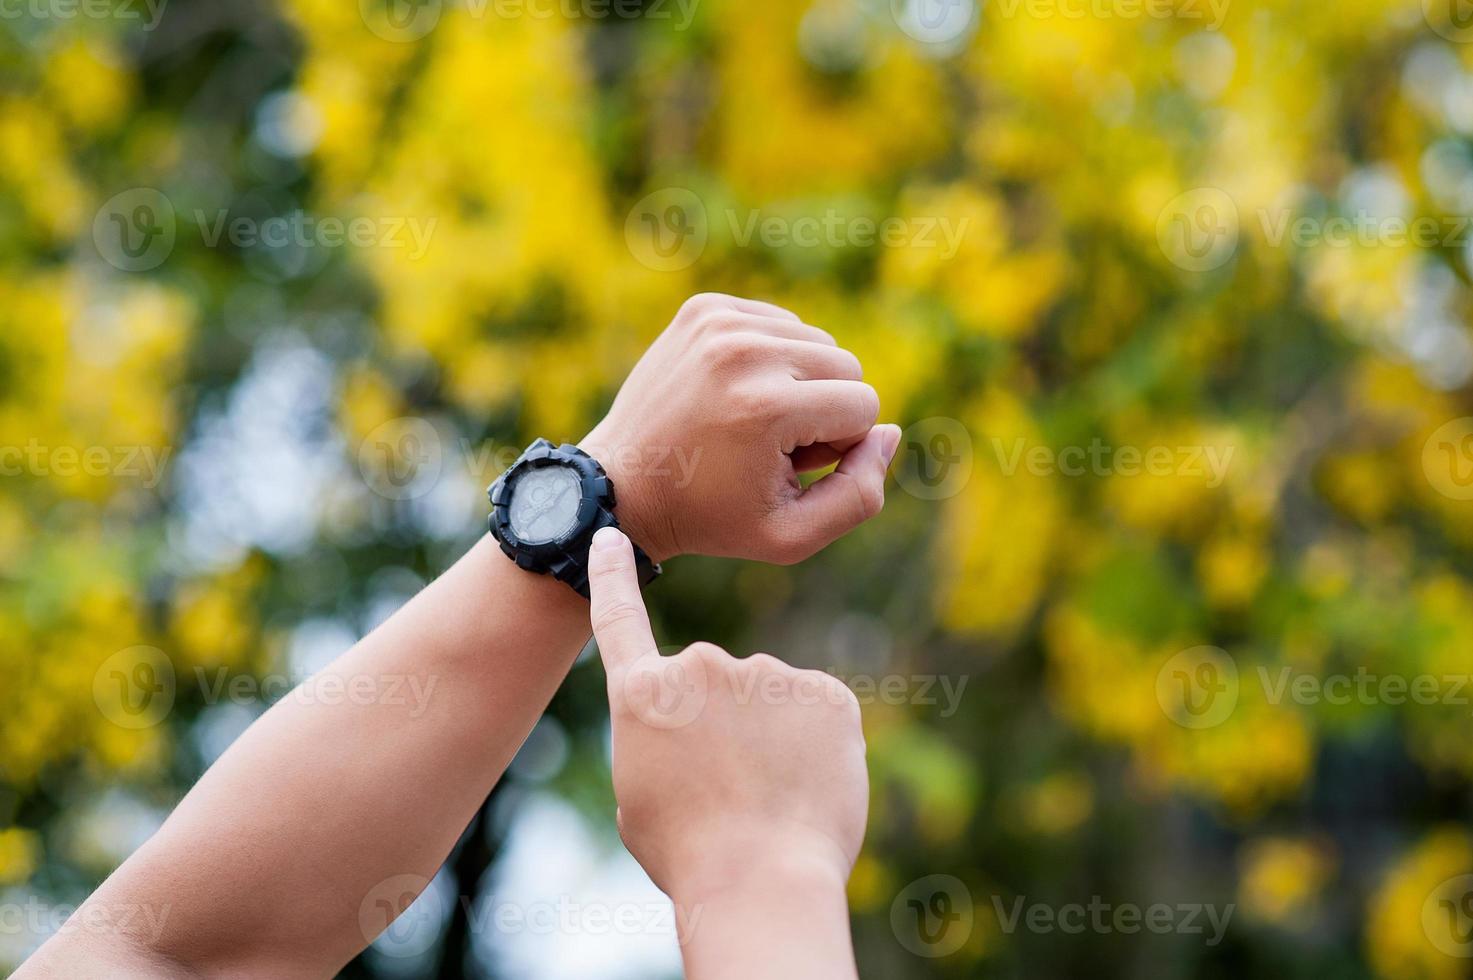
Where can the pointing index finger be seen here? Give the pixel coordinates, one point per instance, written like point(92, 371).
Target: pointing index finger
point(620, 623)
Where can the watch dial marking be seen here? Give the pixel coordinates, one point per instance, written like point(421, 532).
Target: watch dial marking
point(544, 503)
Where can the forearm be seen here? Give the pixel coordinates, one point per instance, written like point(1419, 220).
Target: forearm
point(370, 771)
point(789, 922)
point(320, 823)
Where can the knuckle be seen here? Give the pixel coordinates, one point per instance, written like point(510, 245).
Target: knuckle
point(870, 498)
point(780, 310)
point(732, 350)
point(705, 653)
point(869, 400)
point(788, 550)
point(615, 613)
point(784, 546)
point(702, 304)
point(820, 689)
point(705, 313)
point(630, 703)
point(754, 401)
point(726, 320)
point(844, 694)
point(827, 683)
point(767, 663)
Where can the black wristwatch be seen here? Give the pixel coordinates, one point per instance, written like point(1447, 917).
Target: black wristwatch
point(546, 508)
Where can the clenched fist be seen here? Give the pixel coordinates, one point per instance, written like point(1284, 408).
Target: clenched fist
point(741, 786)
point(707, 437)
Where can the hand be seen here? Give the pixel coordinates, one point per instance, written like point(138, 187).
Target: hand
point(726, 771)
point(707, 437)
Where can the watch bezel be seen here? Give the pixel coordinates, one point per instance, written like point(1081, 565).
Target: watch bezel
point(595, 496)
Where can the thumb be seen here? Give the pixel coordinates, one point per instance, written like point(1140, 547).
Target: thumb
point(620, 623)
point(850, 495)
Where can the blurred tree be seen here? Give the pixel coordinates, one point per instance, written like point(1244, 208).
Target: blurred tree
point(282, 289)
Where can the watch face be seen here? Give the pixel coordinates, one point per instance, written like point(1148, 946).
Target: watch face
point(544, 503)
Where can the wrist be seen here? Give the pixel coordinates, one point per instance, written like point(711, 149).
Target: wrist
point(796, 904)
point(641, 500)
point(791, 871)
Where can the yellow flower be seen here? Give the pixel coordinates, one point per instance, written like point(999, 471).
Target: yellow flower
point(998, 533)
point(1053, 806)
point(1407, 930)
point(1231, 568)
point(85, 81)
point(368, 400)
point(994, 287)
point(20, 854)
point(783, 130)
point(1281, 878)
point(212, 626)
point(1361, 485)
point(870, 884)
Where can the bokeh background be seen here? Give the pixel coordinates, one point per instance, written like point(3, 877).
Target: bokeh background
point(1182, 523)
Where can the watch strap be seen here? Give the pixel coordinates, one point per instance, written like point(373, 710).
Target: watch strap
point(574, 571)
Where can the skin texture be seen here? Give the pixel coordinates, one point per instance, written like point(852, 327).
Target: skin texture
point(741, 785)
point(742, 389)
point(331, 812)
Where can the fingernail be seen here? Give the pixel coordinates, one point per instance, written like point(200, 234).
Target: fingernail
point(890, 442)
point(606, 537)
